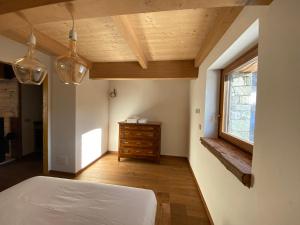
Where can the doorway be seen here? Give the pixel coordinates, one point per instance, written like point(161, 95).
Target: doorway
point(31, 116)
point(23, 128)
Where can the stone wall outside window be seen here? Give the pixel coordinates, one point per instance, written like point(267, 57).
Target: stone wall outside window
point(242, 102)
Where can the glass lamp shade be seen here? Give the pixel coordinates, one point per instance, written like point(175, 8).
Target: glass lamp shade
point(29, 70)
point(71, 69)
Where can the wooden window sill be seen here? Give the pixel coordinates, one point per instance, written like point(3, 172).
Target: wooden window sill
point(233, 158)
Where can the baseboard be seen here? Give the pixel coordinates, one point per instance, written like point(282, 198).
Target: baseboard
point(201, 196)
point(73, 175)
point(174, 156)
point(112, 152)
point(89, 165)
point(55, 173)
point(7, 162)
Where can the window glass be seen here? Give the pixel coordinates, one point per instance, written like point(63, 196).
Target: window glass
point(240, 102)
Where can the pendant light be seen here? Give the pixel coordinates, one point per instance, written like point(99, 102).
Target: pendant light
point(29, 70)
point(70, 68)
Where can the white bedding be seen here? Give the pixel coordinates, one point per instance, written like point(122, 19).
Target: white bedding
point(54, 201)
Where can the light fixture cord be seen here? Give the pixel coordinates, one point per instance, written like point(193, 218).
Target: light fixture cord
point(73, 20)
point(72, 33)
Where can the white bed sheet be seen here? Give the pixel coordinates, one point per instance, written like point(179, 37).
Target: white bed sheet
point(54, 201)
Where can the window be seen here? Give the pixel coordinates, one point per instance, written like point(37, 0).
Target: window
point(238, 101)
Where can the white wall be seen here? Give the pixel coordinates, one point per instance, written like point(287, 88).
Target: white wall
point(275, 198)
point(79, 123)
point(63, 106)
point(32, 111)
point(166, 101)
point(277, 151)
point(82, 116)
point(91, 121)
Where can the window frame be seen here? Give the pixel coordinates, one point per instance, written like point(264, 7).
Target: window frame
point(248, 56)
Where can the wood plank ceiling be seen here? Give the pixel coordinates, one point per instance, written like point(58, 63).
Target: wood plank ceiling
point(159, 31)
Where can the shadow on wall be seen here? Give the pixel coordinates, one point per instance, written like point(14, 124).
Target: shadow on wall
point(91, 146)
point(163, 101)
point(171, 122)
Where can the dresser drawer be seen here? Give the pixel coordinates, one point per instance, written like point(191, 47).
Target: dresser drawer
point(139, 127)
point(138, 152)
point(140, 134)
point(137, 143)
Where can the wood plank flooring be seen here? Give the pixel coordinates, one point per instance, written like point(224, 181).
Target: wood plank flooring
point(171, 180)
point(179, 202)
point(19, 170)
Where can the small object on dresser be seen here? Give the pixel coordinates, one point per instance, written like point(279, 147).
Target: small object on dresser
point(139, 140)
point(142, 120)
point(133, 119)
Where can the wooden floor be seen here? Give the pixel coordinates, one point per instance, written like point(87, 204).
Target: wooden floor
point(19, 170)
point(171, 180)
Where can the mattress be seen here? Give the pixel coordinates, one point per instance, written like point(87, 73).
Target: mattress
point(55, 201)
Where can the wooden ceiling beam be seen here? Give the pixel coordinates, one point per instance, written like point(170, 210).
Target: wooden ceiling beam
point(259, 2)
point(39, 12)
point(177, 69)
point(129, 6)
point(44, 43)
point(131, 38)
point(7, 6)
point(223, 22)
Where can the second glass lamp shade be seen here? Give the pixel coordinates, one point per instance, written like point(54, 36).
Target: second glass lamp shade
point(70, 68)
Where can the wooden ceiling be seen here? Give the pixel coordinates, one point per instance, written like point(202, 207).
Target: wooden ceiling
point(171, 35)
point(111, 32)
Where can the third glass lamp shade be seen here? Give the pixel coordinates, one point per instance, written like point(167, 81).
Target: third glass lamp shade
point(71, 68)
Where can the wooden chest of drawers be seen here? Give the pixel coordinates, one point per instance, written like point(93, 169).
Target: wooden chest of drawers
point(139, 140)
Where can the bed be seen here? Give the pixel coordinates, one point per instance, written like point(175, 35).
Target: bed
point(49, 201)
